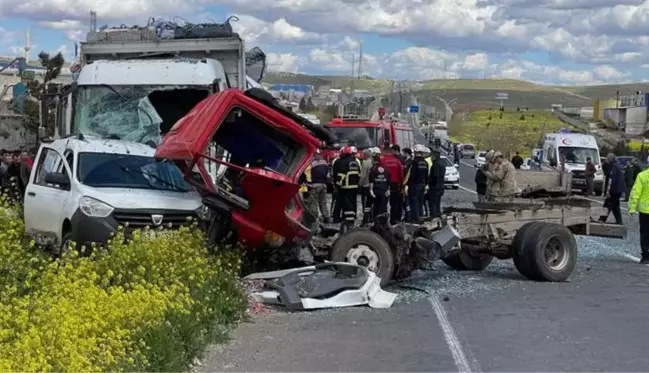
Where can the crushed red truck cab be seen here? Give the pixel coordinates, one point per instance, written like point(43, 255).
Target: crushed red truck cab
point(263, 149)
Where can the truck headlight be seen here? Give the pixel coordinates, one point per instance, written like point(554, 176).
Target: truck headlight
point(94, 207)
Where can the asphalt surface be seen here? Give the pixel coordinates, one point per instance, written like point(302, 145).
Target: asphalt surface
point(445, 320)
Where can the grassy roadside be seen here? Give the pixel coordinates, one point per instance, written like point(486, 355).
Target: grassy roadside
point(152, 303)
point(515, 131)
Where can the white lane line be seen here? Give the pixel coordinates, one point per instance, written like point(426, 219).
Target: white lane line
point(626, 255)
point(454, 345)
point(468, 190)
point(467, 164)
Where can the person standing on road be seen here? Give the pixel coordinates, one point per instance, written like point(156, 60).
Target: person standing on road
point(504, 176)
point(347, 172)
point(436, 185)
point(336, 212)
point(425, 211)
point(416, 181)
point(639, 204)
point(616, 187)
point(379, 190)
point(589, 174)
point(318, 187)
point(365, 183)
point(393, 165)
point(481, 177)
point(631, 172)
point(606, 169)
point(517, 161)
point(397, 153)
point(457, 155)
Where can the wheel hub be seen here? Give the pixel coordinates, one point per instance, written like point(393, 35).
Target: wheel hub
point(364, 256)
point(556, 254)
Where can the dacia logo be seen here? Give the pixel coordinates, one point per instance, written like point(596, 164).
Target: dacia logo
point(157, 219)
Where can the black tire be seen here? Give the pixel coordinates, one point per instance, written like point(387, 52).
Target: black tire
point(521, 261)
point(65, 242)
point(535, 247)
point(456, 187)
point(464, 261)
point(374, 241)
point(598, 192)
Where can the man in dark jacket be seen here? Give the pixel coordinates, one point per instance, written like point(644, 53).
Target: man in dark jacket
point(436, 185)
point(631, 172)
point(606, 168)
point(481, 183)
point(517, 161)
point(616, 188)
point(416, 181)
point(395, 169)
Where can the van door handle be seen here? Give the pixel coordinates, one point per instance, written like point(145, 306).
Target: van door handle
point(31, 194)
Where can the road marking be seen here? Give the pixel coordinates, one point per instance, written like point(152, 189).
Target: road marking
point(468, 190)
point(454, 345)
point(467, 164)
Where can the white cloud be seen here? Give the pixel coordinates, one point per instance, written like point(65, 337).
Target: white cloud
point(256, 31)
point(285, 62)
point(73, 29)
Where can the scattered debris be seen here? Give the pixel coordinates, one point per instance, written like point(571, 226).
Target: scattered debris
point(328, 285)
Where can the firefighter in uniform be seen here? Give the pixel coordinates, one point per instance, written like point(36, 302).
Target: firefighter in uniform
point(394, 166)
point(379, 189)
point(336, 213)
point(347, 171)
point(416, 180)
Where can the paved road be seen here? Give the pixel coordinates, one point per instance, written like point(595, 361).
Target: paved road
point(446, 320)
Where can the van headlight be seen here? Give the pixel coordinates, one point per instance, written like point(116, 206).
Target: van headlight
point(204, 213)
point(599, 173)
point(94, 207)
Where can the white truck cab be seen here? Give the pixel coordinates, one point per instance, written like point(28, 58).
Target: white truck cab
point(82, 188)
point(573, 150)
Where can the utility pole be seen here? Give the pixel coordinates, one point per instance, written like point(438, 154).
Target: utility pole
point(360, 61)
point(28, 46)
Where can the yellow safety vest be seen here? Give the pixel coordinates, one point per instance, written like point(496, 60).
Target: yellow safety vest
point(639, 199)
point(307, 173)
point(429, 162)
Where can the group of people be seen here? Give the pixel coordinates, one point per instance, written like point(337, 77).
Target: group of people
point(394, 185)
point(496, 180)
point(15, 168)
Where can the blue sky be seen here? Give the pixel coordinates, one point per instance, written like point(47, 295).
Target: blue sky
point(545, 41)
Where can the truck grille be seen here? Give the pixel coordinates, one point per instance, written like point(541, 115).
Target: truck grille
point(578, 175)
point(170, 219)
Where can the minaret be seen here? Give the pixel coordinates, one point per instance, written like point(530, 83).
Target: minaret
point(28, 46)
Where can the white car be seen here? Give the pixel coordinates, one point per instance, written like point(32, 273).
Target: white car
point(82, 190)
point(480, 159)
point(452, 176)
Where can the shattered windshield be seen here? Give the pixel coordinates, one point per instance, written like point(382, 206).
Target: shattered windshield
point(107, 170)
point(125, 112)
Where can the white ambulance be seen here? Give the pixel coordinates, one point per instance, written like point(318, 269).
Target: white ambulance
point(573, 150)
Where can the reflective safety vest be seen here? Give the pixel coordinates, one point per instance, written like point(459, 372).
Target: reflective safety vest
point(350, 177)
point(429, 162)
point(639, 199)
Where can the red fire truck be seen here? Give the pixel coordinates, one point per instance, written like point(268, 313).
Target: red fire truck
point(364, 133)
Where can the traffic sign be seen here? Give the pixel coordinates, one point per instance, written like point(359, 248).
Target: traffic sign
point(414, 109)
point(502, 96)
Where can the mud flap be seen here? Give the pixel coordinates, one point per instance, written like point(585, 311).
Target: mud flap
point(329, 285)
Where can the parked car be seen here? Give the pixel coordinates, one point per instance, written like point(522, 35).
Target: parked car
point(527, 164)
point(452, 176)
point(83, 189)
point(480, 159)
point(467, 151)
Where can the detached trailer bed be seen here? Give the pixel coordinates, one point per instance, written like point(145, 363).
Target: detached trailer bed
point(537, 233)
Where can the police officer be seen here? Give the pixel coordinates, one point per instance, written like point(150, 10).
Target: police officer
point(394, 166)
point(416, 181)
point(436, 185)
point(639, 205)
point(347, 171)
point(317, 178)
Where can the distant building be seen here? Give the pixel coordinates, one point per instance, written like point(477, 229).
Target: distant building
point(630, 114)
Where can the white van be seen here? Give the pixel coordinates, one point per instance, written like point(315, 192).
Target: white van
point(81, 189)
point(575, 149)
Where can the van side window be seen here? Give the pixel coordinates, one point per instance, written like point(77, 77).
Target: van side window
point(69, 159)
point(50, 161)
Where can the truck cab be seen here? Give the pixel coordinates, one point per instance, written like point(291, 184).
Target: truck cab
point(571, 150)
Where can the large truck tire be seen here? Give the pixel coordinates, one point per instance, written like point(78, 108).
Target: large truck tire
point(521, 260)
point(551, 251)
point(365, 248)
point(465, 261)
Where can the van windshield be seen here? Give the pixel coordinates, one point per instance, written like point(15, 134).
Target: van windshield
point(577, 155)
point(108, 170)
